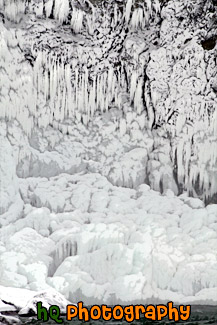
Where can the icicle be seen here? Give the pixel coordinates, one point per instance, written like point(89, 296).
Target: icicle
point(138, 20)
point(146, 17)
point(76, 87)
point(138, 101)
point(48, 7)
point(156, 6)
point(133, 84)
point(61, 10)
point(90, 20)
point(214, 123)
point(187, 157)
point(180, 166)
point(77, 20)
point(86, 91)
point(39, 9)
point(128, 10)
point(110, 83)
point(13, 8)
point(92, 98)
point(149, 6)
point(63, 105)
point(69, 109)
point(115, 19)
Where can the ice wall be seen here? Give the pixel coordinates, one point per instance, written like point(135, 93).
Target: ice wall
point(77, 58)
point(8, 177)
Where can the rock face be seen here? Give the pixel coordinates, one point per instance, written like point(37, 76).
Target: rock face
point(156, 59)
point(108, 149)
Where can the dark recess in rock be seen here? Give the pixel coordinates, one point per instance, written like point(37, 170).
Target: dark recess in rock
point(210, 43)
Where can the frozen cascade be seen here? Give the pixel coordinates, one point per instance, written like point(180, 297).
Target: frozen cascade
point(142, 15)
point(71, 90)
point(77, 20)
point(62, 87)
point(62, 10)
point(95, 101)
point(59, 98)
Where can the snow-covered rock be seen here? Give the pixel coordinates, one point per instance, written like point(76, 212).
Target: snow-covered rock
point(25, 301)
point(48, 298)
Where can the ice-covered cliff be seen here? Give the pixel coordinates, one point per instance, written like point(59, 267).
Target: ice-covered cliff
point(76, 58)
point(108, 111)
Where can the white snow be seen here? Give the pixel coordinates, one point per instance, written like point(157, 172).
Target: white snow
point(16, 296)
point(25, 301)
point(48, 298)
point(6, 307)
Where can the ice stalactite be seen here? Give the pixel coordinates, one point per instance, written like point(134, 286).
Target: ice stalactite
point(197, 164)
point(139, 16)
point(71, 90)
point(136, 77)
point(184, 105)
point(63, 88)
point(77, 20)
point(16, 93)
point(13, 8)
point(61, 10)
point(195, 155)
point(67, 11)
point(59, 88)
point(128, 10)
point(64, 9)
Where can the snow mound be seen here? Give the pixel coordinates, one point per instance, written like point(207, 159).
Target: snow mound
point(48, 298)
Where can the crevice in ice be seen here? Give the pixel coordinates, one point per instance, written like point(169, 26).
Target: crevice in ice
point(63, 250)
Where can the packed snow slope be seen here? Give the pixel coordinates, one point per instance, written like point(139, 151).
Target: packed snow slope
point(108, 127)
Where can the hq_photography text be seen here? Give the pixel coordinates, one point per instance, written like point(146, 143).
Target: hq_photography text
point(127, 313)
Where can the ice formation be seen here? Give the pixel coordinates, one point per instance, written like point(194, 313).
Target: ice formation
point(96, 101)
point(94, 240)
point(75, 83)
